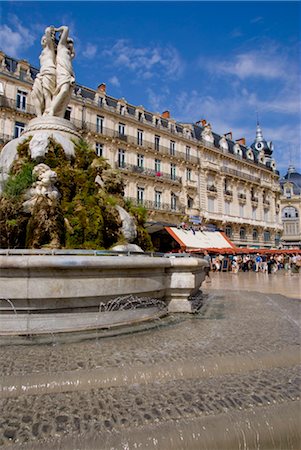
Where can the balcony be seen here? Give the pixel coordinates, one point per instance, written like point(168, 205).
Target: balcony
point(158, 206)
point(191, 184)
point(132, 140)
point(10, 103)
point(211, 191)
point(228, 194)
point(240, 174)
point(149, 172)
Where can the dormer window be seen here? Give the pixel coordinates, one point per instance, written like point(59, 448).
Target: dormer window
point(288, 192)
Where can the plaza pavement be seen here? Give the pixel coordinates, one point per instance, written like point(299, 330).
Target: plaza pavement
point(227, 378)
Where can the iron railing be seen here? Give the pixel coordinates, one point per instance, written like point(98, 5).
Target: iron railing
point(158, 206)
point(148, 172)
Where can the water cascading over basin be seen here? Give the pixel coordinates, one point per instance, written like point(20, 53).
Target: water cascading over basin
point(57, 293)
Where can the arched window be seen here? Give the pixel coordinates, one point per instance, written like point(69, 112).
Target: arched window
point(242, 233)
point(255, 235)
point(228, 231)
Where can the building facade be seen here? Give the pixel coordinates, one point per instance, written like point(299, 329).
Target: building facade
point(291, 208)
point(178, 171)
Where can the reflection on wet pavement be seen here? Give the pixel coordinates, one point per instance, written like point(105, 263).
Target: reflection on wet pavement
point(226, 378)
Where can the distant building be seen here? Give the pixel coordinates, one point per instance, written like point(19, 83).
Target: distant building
point(291, 208)
point(178, 171)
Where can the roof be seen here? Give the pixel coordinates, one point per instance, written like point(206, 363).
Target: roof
point(190, 239)
point(293, 177)
point(11, 64)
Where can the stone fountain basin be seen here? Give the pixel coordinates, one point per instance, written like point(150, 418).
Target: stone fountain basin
point(64, 286)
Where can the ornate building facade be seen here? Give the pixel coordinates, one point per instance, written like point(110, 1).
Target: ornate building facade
point(178, 171)
point(291, 208)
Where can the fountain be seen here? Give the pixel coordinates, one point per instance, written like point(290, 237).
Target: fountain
point(224, 378)
point(57, 195)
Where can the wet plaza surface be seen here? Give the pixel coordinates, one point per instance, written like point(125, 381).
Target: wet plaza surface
point(226, 378)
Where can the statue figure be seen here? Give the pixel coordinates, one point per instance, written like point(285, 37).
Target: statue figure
point(45, 82)
point(65, 79)
point(207, 133)
point(43, 187)
point(54, 83)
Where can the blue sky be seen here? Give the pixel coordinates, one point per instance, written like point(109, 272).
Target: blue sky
point(221, 61)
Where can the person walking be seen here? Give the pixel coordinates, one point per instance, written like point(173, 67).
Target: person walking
point(258, 261)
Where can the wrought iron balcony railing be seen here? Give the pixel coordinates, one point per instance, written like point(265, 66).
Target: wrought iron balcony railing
point(148, 172)
point(159, 206)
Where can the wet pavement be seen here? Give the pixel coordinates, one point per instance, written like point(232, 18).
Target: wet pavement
point(220, 379)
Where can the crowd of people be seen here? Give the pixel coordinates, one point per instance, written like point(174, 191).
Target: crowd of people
point(265, 263)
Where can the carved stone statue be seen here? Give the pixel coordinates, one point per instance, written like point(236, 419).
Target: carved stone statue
point(43, 187)
point(54, 83)
point(65, 79)
point(45, 83)
point(207, 133)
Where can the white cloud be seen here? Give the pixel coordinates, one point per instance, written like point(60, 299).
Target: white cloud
point(89, 51)
point(252, 64)
point(146, 62)
point(114, 81)
point(15, 38)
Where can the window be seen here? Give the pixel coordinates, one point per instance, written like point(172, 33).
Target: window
point(241, 210)
point(121, 129)
point(173, 170)
point(99, 124)
point(228, 231)
point(21, 100)
point(266, 215)
point(173, 201)
point(158, 166)
point(288, 193)
point(140, 195)
point(157, 143)
point(121, 158)
point(172, 148)
point(67, 115)
point(187, 153)
point(122, 110)
point(140, 116)
point(189, 202)
point(188, 174)
point(255, 235)
point(211, 204)
point(242, 233)
point(19, 127)
point(23, 74)
point(254, 213)
point(140, 160)
point(98, 149)
point(140, 137)
point(266, 236)
point(158, 195)
point(100, 102)
point(290, 212)
point(227, 208)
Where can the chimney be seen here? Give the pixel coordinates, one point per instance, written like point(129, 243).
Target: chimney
point(166, 114)
point(203, 122)
point(228, 135)
point(241, 141)
point(102, 87)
